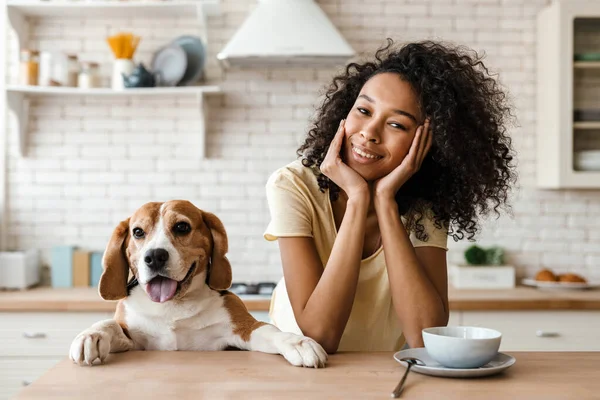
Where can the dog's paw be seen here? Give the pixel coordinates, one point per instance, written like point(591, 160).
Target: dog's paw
point(89, 346)
point(302, 351)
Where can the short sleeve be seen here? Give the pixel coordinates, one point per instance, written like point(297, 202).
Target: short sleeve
point(290, 209)
point(436, 237)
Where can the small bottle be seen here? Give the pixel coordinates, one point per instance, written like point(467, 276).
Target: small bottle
point(88, 75)
point(29, 67)
point(72, 70)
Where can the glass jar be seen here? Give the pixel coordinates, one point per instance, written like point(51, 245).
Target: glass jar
point(88, 75)
point(29, 67)
point(72, 70)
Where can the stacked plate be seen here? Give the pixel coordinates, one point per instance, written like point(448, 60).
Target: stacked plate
point(180, 63)
point(587, 160)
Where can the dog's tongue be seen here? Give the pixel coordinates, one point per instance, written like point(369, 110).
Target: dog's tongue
point(161, 289)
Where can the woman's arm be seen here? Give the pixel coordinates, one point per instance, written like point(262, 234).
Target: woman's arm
point(418, 277)
point(322, 298)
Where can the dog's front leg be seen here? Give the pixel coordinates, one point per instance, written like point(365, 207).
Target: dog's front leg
point(300, 351)
point(98, 341)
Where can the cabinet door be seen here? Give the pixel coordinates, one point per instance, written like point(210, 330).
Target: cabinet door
point(16, 373)
point(541, 330)
point(42, 334)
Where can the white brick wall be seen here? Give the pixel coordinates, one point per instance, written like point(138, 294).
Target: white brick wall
point(92, 161)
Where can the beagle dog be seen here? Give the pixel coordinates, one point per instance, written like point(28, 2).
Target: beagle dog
point(176, 298)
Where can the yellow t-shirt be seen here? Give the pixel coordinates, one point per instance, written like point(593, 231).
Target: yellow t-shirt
point(299, 209)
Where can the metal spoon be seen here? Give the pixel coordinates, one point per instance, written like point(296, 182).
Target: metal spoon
point(410, 361)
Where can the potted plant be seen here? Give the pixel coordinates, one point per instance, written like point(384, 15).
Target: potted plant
point(483, 269)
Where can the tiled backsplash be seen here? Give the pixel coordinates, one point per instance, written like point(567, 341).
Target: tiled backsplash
point(92, 161)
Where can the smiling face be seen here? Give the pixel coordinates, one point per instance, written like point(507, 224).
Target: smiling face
point(381, 126)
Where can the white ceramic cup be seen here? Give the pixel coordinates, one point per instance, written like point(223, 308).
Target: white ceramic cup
point(121, 66)
point(461, 346)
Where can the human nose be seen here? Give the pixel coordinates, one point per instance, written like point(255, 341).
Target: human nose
point(370, 132)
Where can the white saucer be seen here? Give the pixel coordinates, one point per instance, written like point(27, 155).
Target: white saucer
point(560, 285)
point(498, 364)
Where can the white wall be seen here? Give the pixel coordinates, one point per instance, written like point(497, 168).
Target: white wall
point(91, 162)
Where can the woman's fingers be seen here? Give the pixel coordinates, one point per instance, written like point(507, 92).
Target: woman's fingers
point(336, 143)
point(334, 149)
point(425, 142)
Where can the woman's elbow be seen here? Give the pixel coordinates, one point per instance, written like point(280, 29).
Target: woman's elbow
point(328, 342)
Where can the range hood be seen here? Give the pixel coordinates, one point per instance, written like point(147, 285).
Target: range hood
point(286, 32)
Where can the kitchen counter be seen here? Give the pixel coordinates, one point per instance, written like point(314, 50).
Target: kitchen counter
point(81, 299)
point(520, 298)
point(252, 375)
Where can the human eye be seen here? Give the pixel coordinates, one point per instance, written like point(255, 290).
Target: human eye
point(398, 126)
point(363, 111)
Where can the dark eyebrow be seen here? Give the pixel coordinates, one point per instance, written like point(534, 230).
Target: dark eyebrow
point(400, 112)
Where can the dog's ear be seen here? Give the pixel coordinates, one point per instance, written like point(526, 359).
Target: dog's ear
point(113, 282)
point(219, 271)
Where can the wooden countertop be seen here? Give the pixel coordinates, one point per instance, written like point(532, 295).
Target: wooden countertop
point(77, 299)
point(252, 375)
point(520, 298)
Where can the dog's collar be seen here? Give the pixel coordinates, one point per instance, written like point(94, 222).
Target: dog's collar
point(131, 285)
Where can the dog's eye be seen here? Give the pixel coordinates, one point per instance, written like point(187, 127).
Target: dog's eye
point(182, 227)
point(138, 233)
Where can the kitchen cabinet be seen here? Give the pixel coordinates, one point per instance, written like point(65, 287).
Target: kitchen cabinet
point(33, 342)
point(18, 12)
point(540, 330)
point(566, 32)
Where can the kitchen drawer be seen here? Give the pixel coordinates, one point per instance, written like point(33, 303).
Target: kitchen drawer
point(42, 334)
point(541, 330)
point(15, 373)
point(50, 320)
point(48, 342)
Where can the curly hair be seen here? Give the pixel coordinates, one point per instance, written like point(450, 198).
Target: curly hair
point(469, 170)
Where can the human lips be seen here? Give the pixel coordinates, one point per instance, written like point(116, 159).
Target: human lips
point(364, 152)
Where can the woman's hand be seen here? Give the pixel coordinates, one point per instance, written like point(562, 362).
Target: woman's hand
point(387, 186)
point(341, 174)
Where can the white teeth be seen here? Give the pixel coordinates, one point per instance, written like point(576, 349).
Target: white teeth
point(362, 153)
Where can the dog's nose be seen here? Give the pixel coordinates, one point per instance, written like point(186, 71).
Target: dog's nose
point(156, 259)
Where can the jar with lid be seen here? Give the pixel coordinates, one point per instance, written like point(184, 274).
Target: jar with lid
point(29, 67)
point(88, 75)
point(72, 70)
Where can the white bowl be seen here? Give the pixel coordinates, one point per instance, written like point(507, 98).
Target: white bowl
point(461, 346)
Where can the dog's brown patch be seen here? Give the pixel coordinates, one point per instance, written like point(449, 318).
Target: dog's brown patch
point(244, 322)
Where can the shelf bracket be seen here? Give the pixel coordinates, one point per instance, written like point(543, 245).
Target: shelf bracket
point(202, 119)
point(19, 104)
point(20, 25)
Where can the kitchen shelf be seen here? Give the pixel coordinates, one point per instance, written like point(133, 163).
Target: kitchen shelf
point(113, 9)
point(564, 28)
point(19, 11)
point(18, 98)
point(59, 90)
point(587, 64)
point(587, 125)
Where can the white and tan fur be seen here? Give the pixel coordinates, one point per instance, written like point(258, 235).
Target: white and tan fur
point(202, 315)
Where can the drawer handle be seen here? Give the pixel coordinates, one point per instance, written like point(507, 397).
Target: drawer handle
point(34, 335)
point(541, 333)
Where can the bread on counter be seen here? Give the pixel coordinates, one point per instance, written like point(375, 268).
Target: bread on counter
point(545, 275)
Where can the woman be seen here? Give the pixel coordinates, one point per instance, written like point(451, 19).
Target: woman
point(404, 151)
